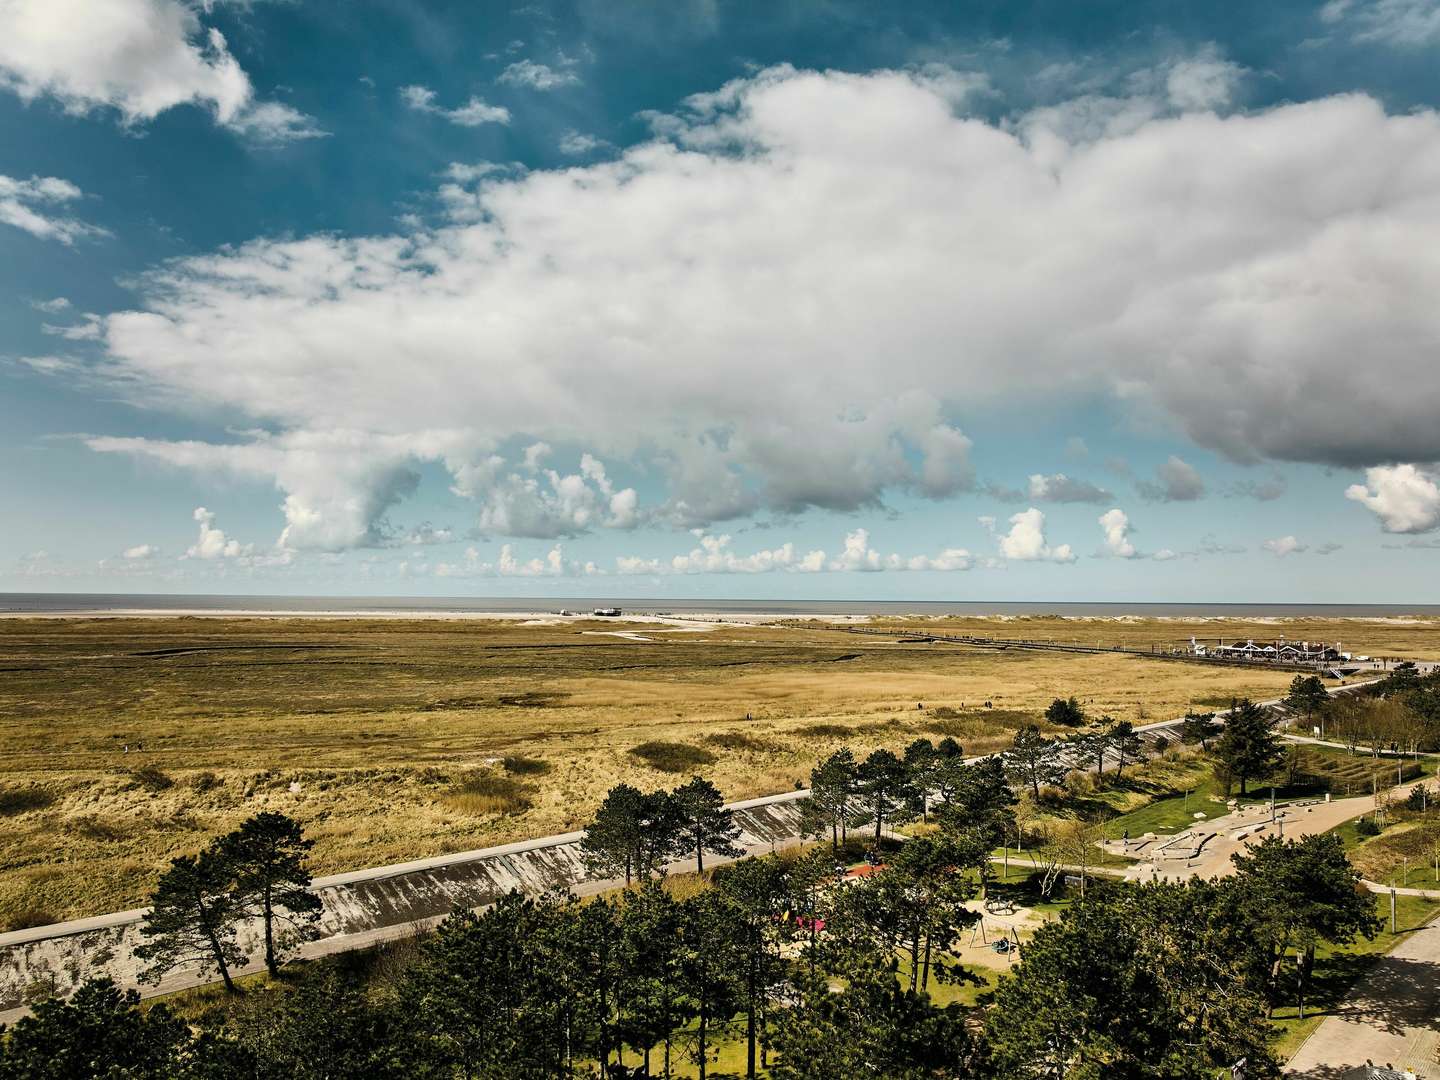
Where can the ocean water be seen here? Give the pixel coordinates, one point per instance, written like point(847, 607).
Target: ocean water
point(63, 603)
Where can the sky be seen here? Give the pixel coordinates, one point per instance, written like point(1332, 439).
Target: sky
point(1021, 300)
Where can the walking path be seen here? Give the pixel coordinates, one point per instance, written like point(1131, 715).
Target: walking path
point(1389, 1018)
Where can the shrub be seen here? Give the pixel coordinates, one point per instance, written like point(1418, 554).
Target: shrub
point(152, 778)
point(672, 757)
point(517, 765)
point(205, 781)
point(94, 829)
point(825, 731)
point(737, 740)
point(20, 800)
point(490, 793)
point(1367, 826)
point(25, 918)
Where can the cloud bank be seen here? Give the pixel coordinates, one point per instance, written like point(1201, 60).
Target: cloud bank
point(731, 306)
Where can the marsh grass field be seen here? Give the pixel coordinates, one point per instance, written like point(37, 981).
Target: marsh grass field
point(127, 741)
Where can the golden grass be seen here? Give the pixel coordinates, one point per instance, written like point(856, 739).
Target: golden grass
point(369, 731)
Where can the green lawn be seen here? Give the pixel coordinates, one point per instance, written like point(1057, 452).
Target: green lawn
point(1170, 815)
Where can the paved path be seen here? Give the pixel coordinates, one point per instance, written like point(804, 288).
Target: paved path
point(1390, 1017)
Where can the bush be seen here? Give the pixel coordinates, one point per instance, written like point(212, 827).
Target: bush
point(1367, 826)
point(490, 793)
point(1416, 800)
point(737, 740)
point(517, 765)
point(672, 757)
point(25, 918)
point(20, 800)
point(205, 781)
point(152, 778)
point(93, 828)
point(822, 731)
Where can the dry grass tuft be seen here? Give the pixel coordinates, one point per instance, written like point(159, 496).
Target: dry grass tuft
point(519, 765)
point(23, 800)
point(739, 740)
point(152, 778)
point(25, 918)
point(672, 757)
point(489, 793)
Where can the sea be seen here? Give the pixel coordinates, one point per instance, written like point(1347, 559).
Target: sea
point(77, 603)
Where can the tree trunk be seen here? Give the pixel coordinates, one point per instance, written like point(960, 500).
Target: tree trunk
point(750, 1018)
point(269, 912)
point(703, 1031)
point(220, 963)
point(699, 858)
point(925, 979)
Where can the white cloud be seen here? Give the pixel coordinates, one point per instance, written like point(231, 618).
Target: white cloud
point(212, 543)
point(548, 504)
point(31, 205)
point(1406, 498)
point(1406, 24)
point(552, 564)
point(338, 486)
point(274, 122)
point(1284, 545)
point(714, 555)
point(1175, 481)
point(1165, 555)
point(731, 305)
point(141, 552)
point(139, 57)
point(51, 307)
point(536, 76)
point(578, 143)
point(472, 114)
point(1204, 81)
point(1115, 524)
point(1061, 488)
point(1025, 542)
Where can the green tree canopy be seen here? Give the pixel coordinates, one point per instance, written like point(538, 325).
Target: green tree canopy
point(1034, 760)
point(883, 784)
point(1065, 712)
point(1292, 895)
point(101, 1032)
point(834, 794)
point(191, 920)
point(1134, 982)
point(703, 823)
point(1248, 747)
point(266, 856)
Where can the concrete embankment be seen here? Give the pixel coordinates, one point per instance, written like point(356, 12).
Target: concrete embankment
point(360, 908)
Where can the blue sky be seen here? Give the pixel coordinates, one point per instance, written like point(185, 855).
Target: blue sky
point(1033, 301)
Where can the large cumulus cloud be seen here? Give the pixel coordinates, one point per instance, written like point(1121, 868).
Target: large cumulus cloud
point(796, 292)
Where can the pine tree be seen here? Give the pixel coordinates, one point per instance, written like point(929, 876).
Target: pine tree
point(704, 823)
point(881, 781)
point(833, 793)
point(99, 1032)
point(191, 920)
point(1034, 760)
point(1248, 747)
point(266, 855)
point(1121, 738)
